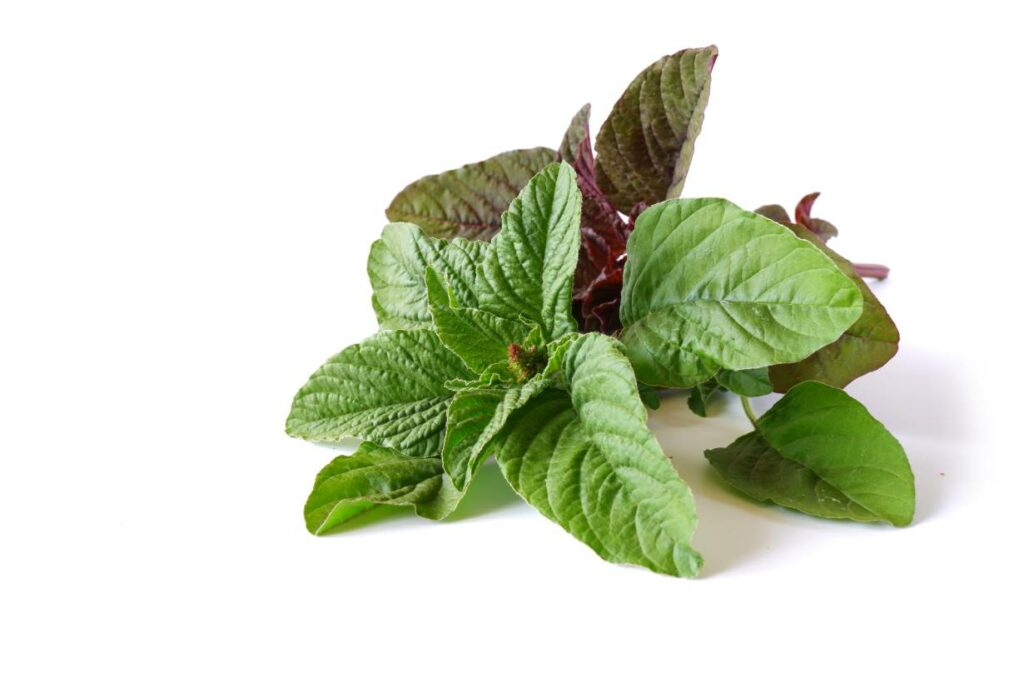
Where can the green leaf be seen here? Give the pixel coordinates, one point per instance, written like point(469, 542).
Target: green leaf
point(819, 451)
point(475, 417)
point(649, 396)
point(351, 484)
point(468, 201)
point(575, 134)
point(587, 460)
point(709, 286)
point(480, 338)
point(866, 346)
point(746, 382)
point(529, 270)
point(645, 146)
point(396, 268)
point(701, 395)
point(389, 389)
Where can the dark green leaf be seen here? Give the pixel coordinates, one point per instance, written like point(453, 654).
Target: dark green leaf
point(819, 451)
point(746, 382)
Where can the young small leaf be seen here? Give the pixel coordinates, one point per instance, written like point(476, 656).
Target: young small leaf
point(468, 201)
point(396, 268)
point(480, 338)
point(576, 134)
point(645, 146)
point(819, 451)
point(711, 286)
point(351, 484)
point(389, 389)
point(587, 460)
point(528, 271)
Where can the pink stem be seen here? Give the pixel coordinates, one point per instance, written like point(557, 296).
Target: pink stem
point(872, 270)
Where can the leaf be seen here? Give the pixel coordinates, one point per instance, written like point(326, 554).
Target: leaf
point(774, 212)
point(389, 389)
point(475, 417)
point(866, 346)
point(576, 134)
point(819, 451)
point(645, 146)
point(649, 396)
point(746, 382)
point(821, 228)
point(710, 286)
point(480, 338)
point(701, 395)
point(468, 201)
point(351, 484)
point(587, 460)
point(528, 272)
point(396, 268)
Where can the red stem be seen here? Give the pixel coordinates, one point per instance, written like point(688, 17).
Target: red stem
point(872, 270)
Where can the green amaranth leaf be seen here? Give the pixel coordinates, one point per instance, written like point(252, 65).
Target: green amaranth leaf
point(529, 269)
point(480, 338)
point(746, 382)
point(709, 286)
point(587, 460)
point(389, 389)
point(866, 346)
point(396, 268)
point(701, 395)
point(475, 417)
point(645, 146)
point(468, 201)
point(575, 134)
point(819, 451)
point(351, 484)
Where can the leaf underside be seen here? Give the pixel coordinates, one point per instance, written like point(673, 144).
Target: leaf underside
point(468, 201)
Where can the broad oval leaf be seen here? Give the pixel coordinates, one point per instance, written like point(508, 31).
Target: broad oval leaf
point(709, 286)
point(867, 345)
point(397, 265)
point(587, 460)
point(821, 452)
point(479, 337)
point(351, 484)
point(645, 146)
point(529, 269)
point(468, 201)
point(389, 389)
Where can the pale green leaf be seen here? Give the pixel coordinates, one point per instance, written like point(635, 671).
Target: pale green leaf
point(468, 201)
point(396, 268)
point(389, 389)
point(746, 382)
point(709, 286)
point(529, 270)
point(351, 484)
point(819, 451)
point(645, 146)
point(479, 337)
point(475, 417)
point(587, 460)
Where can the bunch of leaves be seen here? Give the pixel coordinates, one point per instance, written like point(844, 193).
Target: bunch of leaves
point(641, 157)
point(480, 354)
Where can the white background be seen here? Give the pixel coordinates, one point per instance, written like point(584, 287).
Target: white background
point(187, 194)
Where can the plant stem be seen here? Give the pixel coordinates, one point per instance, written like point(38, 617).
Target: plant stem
point(872, 270)
point(749, 411)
